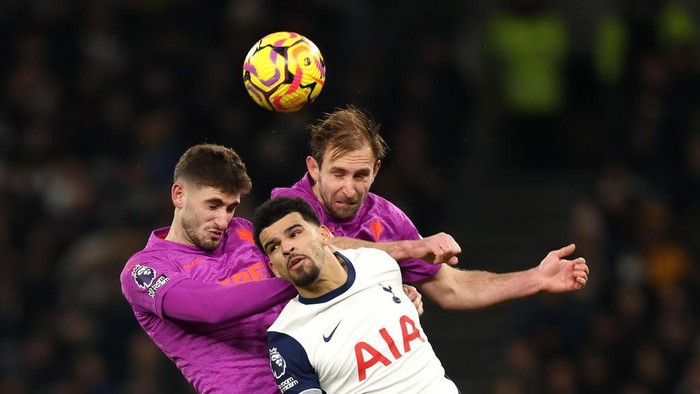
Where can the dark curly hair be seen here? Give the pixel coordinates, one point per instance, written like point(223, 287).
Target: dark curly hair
point(275, 209)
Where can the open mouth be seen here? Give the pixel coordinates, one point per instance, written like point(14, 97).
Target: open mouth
point(294, 262)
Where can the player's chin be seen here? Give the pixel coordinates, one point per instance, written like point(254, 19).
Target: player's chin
point(303, 280)
point(345, 211)
point(211, 243)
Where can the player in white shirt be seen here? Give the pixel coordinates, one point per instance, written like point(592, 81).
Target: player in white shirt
point(351, 329)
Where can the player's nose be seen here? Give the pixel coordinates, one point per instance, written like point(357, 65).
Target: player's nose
point(221, 220)
point(287, 246)
point(348, 188)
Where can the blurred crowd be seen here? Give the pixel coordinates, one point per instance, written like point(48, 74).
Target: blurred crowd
point(626, 90)
point(99, 99)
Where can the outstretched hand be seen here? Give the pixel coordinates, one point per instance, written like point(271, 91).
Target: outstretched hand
point(557, 274)
point(436, 249)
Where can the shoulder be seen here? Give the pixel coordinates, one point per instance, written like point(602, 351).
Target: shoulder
point(302, 188)
point(375, 254)
point(378, 205)
point(159, 259)
point(292, 313)
point(144, 258)
point(289, 192)
point(370, 260)
point(395, 224)
point(364, 254)
point(144, 269)
point(240, 242)
point(146, 277)
point(306, 195)
point(239, 222)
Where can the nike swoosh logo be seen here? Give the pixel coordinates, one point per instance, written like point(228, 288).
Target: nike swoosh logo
point(328, 338)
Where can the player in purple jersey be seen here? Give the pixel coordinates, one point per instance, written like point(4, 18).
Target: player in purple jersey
point(346, 153)
point(201, 289)
point(191, 286)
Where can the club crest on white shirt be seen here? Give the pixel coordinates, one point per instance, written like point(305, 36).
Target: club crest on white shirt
point(393, 296)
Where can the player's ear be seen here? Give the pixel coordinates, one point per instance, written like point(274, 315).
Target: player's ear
point(177, 193)
point(326, 234)
point(377, 166)
point(313, 167)
point(272, 268)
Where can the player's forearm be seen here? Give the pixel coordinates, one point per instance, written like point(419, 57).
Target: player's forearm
point(490, 288)
point(454, 289)
point(193, 301)
point(396, 249)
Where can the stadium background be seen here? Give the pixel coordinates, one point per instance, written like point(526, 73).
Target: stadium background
point(516, 126)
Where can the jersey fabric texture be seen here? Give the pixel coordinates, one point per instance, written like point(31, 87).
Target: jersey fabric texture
point(377, 220)
point(228, 357)
point(363, 337)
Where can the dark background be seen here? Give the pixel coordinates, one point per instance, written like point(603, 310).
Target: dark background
point(516, 126)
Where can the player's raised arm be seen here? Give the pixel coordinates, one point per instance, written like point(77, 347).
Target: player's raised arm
point(462, 290)
point(346, 155)
point(437, 249)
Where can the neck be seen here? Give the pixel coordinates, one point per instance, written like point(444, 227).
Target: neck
point(175, 233)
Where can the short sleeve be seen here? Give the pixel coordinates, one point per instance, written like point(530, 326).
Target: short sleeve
point(290, 365)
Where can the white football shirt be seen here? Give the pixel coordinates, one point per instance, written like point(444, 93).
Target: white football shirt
point(363, 337)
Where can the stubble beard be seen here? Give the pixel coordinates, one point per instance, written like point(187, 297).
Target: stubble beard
point(307, 277)
point(198, 240)
point(343, 213)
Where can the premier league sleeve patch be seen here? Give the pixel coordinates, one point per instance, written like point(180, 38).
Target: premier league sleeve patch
point(143, 275)
point(145, 278)
point(277, 363)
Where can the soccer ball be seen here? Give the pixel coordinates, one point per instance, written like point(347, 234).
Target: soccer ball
point(284, 71)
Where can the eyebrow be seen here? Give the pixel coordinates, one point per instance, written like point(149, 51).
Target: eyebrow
point(286, 231)
point(218, 201)
point(364, 170)
point(214, 200)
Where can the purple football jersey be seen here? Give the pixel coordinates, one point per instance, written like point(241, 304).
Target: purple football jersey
point(377, 220)
point(227, 357)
